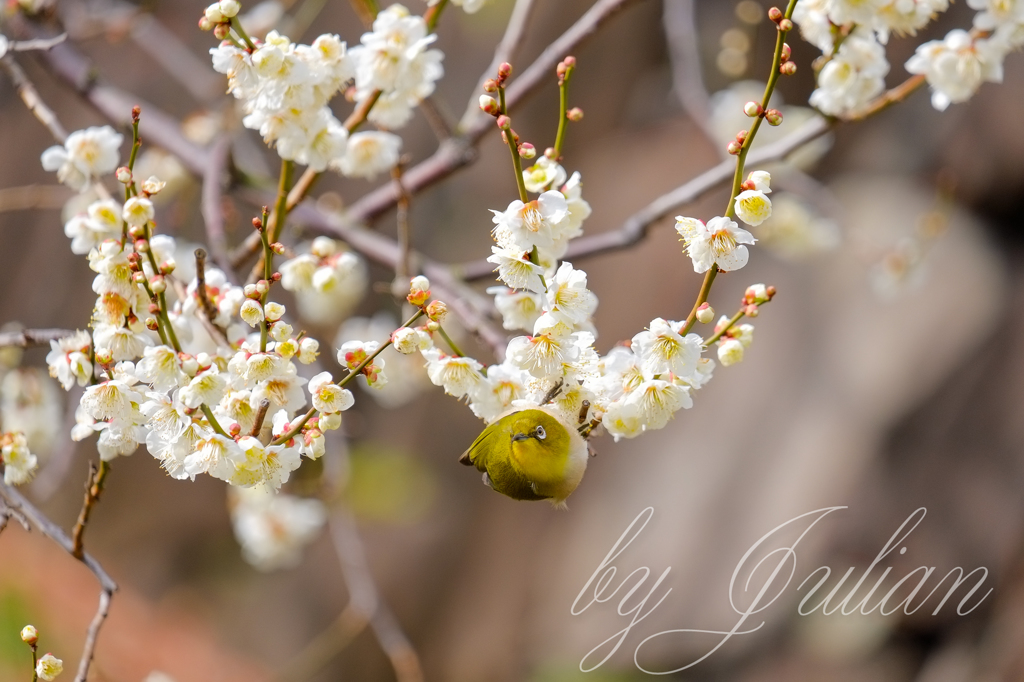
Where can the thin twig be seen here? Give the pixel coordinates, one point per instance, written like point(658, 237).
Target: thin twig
point(33, 337)
point(205, 304)
point(92, 634)
point(93, 488)
point(505, 52)
point(30, 96)
point(683, 38)
point(213, 213)
point(37, 44)
point(261, 415)
point(402, 267)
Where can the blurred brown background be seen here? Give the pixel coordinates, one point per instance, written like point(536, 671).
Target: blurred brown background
point(881, 403)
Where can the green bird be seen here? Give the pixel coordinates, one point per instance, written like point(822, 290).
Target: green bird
point(530, 455)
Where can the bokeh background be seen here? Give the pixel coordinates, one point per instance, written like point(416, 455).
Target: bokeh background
point(885, 376)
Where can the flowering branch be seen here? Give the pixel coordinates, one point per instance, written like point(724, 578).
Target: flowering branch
point(32, 337)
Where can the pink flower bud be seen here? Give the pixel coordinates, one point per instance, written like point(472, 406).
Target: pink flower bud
point(569, 61)
point(205, 24)
point(158, 284)
point(222, 31)
point(151, 324)
point(262, 286)
point(574, 114)
point(29, 635)
point(787, 69)
point(504, 71)
point(775, 14)
point(504, 122)
point(773, 116)
point(527, 150)
point(551, 153)
point(490, 85)
point(785, 25)
point(734, 148)
point(787, 52)
point(250, 291)
point(489, 105)
point(124, 175)
point(752, 109)
point(437, 310)
point(705, 313)
point(278, 248)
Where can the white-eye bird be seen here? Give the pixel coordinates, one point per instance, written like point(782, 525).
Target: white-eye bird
point(530, 455)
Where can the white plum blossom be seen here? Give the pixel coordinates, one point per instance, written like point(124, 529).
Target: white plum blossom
point(568, 298)
point(68, 360)
point(370, 153)
point(854, 75)
point(519, 309)
point(543, 174)
point(274, 528)
point(720, 242)
point(753, 207)
point(730, 351)
point(86, 155)
point(457, 375)
point(19, 463)
point(327, 396)
point(515, 269)
point(662, 350)
point(957, 66)
point(101, 221)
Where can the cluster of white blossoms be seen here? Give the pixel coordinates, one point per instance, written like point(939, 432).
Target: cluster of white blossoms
point(273, 529)
point(955, 67)
point(328, 281)
point(286, 88)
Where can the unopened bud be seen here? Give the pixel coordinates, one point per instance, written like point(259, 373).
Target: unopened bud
point(138, 277)
point(257, 224)
point(785, 25)
point(490, 85)
point(489, 105)
point(741, 136)
point(787, 52)
point(104, 356)
point(775, 14)
point(189, 365)
point(229, 8)
point(205, 24)
point(262, 286)
point(234, 429)
point(551, 153)
point(154, 308)
point(787, 69)
point(250, 291)
point(419, 291)
point(504, 122)
point(750, 310)
point(124, 175)
point(504, 71)
point(574, 114)
point(527, 150)
point(151, 324)
point(734, 147)
point(569, 61)
point(204, 360)
point(752, 109)
point(773, 116)
point(757, 293)
point(158, 284)
point(705, 313)
point(136, 232)
point(222, 31)
point(432, 326)
point(29, 634)
point(278, 248)
point(437, 310)
point(136, 113)
point(276, 277)
point(142, 245)
point(213, 13)
point(167, 267)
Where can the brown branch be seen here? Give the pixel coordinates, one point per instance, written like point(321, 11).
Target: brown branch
point(33, 337)
point(403, 268)
point(93, 488)
point(30, 96)
point(888, 98)
point(681, 32)
point(458, 151)
point(261, 415)
point(505, 52)
point(16, 501)
point(209, 310)
point(213, 213)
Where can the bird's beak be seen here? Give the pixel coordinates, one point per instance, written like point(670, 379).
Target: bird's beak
point(521, 436)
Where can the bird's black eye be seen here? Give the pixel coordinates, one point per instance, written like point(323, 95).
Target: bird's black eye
point(540, 433)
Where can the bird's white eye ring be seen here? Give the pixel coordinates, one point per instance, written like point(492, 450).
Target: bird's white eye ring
point(541, 433)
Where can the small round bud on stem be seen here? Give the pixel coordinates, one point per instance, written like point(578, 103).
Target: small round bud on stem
point(787, 69)
point(29, 635)
point(734, 148)
point(747, 184)
point(489, 105)
point(527, 150)
point(775, 14)
point(504, 71)
point(432, 326)
point(167, 267)
point(151, 324)
point(750, 310)
point(490, 85)
point(752, 109)
point(158, 284)
point(124, 175)
point(136, 113)
point(205, 24)
point(773, 116)
point(504, 122)
point(262, 286)
point(276, 277)
point(138, 277)
point(278, 248)
point(229, 8)
point(189, 365)
point(257, 224)
point(437, 310)
point(250, 291)
point(154, 308)
point(575, 114)
point(551, 153)
point(136, 232)
point(787, 52)
point(214, 14)
point(785, 25)
point(222, 31)
point(419, 291)
point(142, 245)
point(705, 313)
point(234, 429)
point(104, 356)
point(570, 61)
